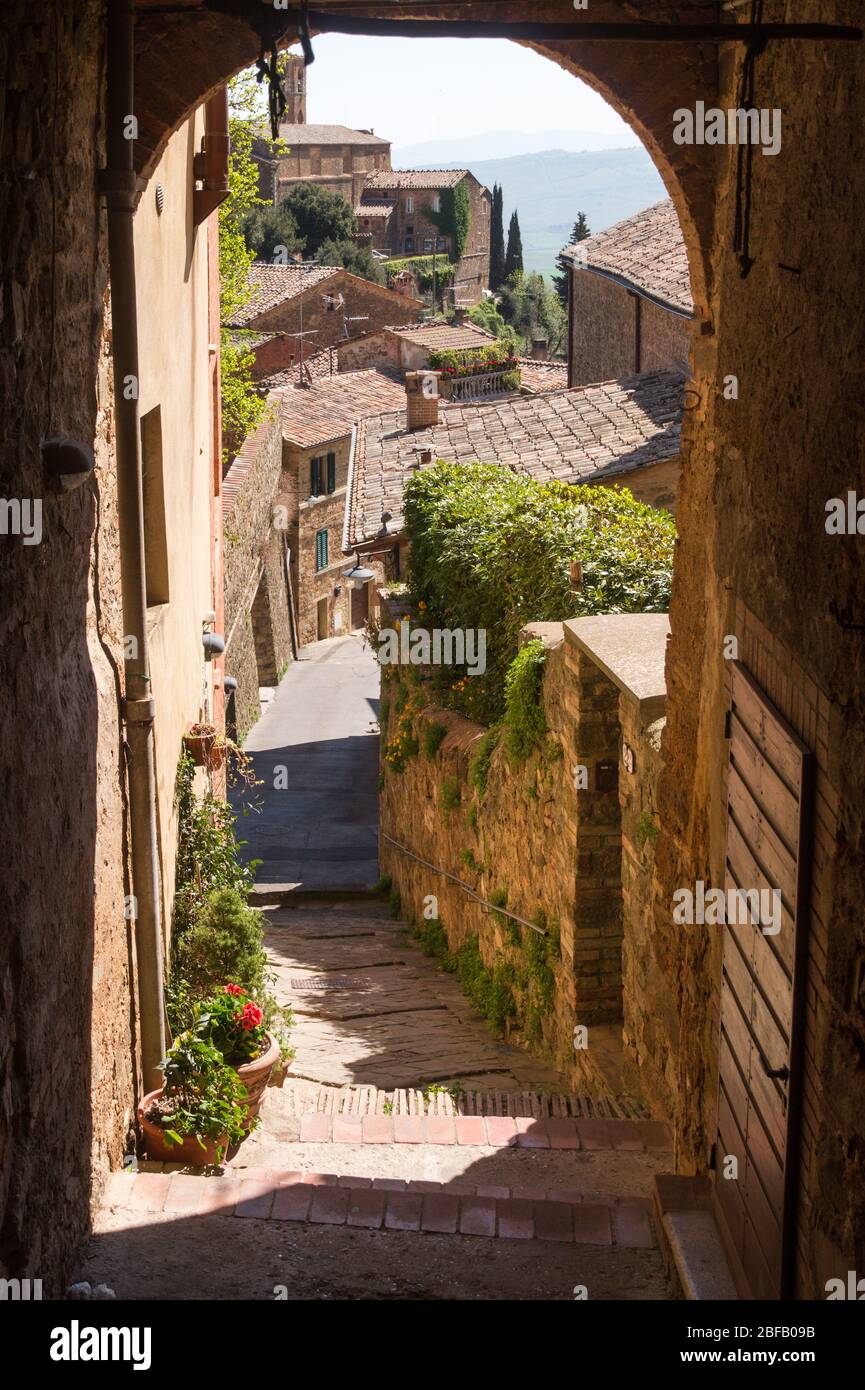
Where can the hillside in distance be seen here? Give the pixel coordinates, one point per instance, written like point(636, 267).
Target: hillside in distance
point(502, 144)
point(551, 187)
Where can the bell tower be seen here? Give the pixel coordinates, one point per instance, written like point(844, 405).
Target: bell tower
point(295, 89)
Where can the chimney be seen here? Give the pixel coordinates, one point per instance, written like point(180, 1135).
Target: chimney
point(540, 349)
point(460, 316)
point(422, 399)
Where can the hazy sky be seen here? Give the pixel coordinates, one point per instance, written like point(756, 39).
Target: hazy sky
point(410, 90)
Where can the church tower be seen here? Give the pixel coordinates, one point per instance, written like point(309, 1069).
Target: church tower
point(295, 90)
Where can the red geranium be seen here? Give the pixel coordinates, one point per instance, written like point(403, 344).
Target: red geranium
point(250, 1018)
point(234, 989)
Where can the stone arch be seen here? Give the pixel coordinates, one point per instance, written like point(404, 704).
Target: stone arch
point(184, 56)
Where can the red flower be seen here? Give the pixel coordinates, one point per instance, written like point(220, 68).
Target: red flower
point(250, 1018)
point(234, 989)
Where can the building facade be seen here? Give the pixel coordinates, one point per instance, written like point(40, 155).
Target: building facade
point(631, 308)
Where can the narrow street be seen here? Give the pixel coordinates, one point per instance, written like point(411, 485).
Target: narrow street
point(409, 1153)
point(315, 755)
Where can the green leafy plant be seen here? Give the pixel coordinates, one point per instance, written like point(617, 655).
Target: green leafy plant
point(225, 944)
point(494, 550)
point(207, 852)
point(433, 737)
point(646, 829)
point(203, 1098)
point(525, 723)
point(384, 884)
point(489, 990)
point(479, 767)
point(451, 794)
point(395, 902)
point(425, 269)
point(458, 363)
point(453, 218)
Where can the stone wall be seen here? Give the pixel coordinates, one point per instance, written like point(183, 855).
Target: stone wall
point(257, 619)
point(603, 332)
point(67, 1053)
point(561, 836)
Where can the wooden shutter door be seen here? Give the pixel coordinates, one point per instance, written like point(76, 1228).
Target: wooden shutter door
point(769, 846)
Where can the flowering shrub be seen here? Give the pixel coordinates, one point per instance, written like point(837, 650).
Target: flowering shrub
point(203, 1098)
point(233, 1022)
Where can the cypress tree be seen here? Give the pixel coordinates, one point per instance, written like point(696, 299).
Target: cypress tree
point(497, 239)
point(562, 281)
point(514, 254)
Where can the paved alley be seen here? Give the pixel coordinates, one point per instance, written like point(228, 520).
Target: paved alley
point(313, 821)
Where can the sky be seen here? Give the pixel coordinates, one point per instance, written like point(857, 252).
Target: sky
point(412, 90)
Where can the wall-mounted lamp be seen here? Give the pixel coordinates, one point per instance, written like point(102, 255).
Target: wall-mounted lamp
point(229, 684)
point(213, 643)
point(358, 576)
point(67, 463)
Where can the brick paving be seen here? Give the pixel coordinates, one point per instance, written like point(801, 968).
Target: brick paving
point(392, 1204)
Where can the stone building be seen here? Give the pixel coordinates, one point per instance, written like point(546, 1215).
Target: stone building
point(631, 307)
point(330, 156)
point(776, 300)
point(299, 310)
point(394, 212)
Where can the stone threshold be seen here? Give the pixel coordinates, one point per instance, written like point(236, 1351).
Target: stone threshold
point(690, 1241)
point(300, 1098)
point(391, 1204)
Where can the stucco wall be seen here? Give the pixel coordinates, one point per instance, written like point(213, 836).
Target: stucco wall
point(173, 291)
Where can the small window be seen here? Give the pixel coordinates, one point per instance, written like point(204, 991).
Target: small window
point(409, 243)
point(331, 472)
point(409, 204)
point(315, 488)
point(436, 203)
point(321, 550)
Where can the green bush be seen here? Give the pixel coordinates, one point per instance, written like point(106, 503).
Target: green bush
point(422, 268)
point(451, 794)
point(489, 990)
point(433, 737)
point(525, 722)
point(479, 767)
point(207, 859)
point(492, 549)
point(225, 946)
point(457, 363)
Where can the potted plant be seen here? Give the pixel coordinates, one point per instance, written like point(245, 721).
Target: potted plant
point(236, 1026)
point(200, 1111)
point(203, 746)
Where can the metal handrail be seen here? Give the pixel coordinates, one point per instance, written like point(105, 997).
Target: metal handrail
point(464, 886)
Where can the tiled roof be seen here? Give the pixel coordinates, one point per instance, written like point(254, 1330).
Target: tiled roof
point(537, 377)
point(376, 209)
point(274, 284)
point(414, 178)
point(316, 367)
point(646, 251)
point(327, 410)
point(328, 135)
point(453, 336)
point(588, 435)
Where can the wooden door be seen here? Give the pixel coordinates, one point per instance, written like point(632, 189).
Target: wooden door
point(359, 606)
point(323, 620)
point(769, 848)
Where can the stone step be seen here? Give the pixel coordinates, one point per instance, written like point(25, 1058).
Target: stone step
point(472, 1130)
point(299, 1098)
point(517, 1213)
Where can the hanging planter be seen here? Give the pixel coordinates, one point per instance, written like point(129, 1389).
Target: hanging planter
point(204, 746)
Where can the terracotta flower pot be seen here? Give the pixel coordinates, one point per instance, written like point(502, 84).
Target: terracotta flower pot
point(200, 748)
point(255, 1076)
point(160, 1148)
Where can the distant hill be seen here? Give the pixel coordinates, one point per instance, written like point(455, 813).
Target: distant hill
point(549, 189)
point(502, 144)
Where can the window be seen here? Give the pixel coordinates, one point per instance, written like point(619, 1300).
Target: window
point(436, 203)
point(409, 243)
point(331, 472)
point(409, 204)
point(321, 550)
point(155, 537)
point(315, 488)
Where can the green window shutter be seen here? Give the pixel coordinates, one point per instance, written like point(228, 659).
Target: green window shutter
point(321, 550)
point(331, 472)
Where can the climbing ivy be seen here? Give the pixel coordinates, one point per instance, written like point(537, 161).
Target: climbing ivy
point(454, 217)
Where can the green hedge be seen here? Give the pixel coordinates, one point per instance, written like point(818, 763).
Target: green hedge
point(422, 268)
point(462, 362)
point(492, 549)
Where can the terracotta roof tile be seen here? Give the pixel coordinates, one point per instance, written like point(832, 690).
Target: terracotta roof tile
point(578, 436)
point(328, 135)
point(646, 251)
point(274, 284)
point(328, 409)
point(453, 336)
point(383, 179)
point(384, 208)
point(316, 367)
point(537, 377)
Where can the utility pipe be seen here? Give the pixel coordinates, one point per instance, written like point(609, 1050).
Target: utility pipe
point(119, 184)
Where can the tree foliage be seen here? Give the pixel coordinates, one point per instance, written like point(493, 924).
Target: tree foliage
point(486, 315)
point(319, 216)
point(514, 253)
point(491, 549)
point(497, 239)
point(271, 232)
point(562, 281)
point(534, 310)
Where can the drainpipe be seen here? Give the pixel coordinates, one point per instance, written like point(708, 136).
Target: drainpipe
point(119, 184)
